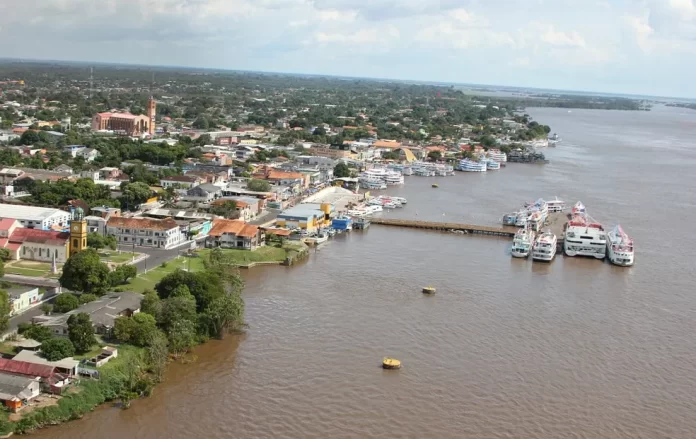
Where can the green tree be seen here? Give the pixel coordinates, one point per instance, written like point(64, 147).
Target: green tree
point(81, 332)
point(158, 355)
point(121, 274)
point(151, 304)
point(85, 272)
point(257, 185)
point(224, 313)
point(37, 332)
point(5, 309)
point(4, 254)
point(204, 286)
point(201, 123)
point(47, 308)
point(228, 209)
point(134, 194)
point(182, 337)
point(138, 330)
point(434, 155)
point(111, 242)
point(176, 308)
point(95, 241)
point(341, 170)
point(55, 349)
point(66, 302)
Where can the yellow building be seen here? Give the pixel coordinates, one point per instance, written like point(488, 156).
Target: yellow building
point(78, 232)
point(309, 217)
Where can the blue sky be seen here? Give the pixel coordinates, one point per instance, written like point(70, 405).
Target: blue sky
point(620, 46)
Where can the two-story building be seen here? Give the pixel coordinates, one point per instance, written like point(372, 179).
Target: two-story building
point(234, 234)
point(181, 181)
point(204, 193)
point(145, 232)
point(35, 217)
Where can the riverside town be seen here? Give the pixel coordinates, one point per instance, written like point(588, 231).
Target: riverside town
point(139, 204)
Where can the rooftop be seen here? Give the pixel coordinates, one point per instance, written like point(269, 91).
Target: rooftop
point(235, 227)
point(38, 236)
point(35, 358)
point(25, 368)
point(12, 387)
point(31, 213)
point(182, 178)
point(102, 312)
point(141, 223)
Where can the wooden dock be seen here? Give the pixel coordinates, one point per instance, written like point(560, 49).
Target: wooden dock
point(507, 232)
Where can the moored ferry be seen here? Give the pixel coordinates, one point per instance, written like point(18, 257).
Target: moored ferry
point(556, 205)
point(544, 247)
point(522, 243)
point(578, 209)
point(585, 237)
point(492, 165)
point(619, 247)
point(472, 166)
point(497, 155)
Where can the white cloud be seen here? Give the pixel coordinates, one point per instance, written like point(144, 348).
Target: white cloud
point(576, 37)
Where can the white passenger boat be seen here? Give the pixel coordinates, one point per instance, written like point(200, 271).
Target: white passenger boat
point(539, 206)
point(585, 237)
point(556, 205)
point(401, 200)
point(522, 243)
point(467, 165)
point(492, 165)
point(578, 209)
point(544, 247)
point(497, 155)
point(522, 217)
point(619, 247)
point(535, 221)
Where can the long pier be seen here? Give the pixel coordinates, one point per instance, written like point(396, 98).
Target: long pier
point(508, 232)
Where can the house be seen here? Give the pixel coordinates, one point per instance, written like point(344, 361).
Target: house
point(145, 232)
point(182, 181)
point(64, 169)
point(234, 234)
point(203, 192)
point(16, 391)
point(22, 298)
point(33, 244)
point(89, 154)
point(244, 152)
point(281, 178)
point(51, 380)
point(103, 312)
point(66, 366)
point(109, 173)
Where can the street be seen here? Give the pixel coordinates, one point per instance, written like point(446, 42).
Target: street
point(157, 255)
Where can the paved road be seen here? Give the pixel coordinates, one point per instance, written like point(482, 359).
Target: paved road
point(156, 255)
point(36, 281)
point(29, 315)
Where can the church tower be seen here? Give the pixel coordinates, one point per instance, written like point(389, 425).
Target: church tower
point(151, 112)
point(78, 232)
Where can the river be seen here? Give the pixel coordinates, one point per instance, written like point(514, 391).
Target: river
point(506, 349)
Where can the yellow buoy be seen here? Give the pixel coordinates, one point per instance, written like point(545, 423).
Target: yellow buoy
point(391, 363)
point(428, 290)
point(436, 185)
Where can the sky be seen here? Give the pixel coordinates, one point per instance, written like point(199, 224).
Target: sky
point(644, 47)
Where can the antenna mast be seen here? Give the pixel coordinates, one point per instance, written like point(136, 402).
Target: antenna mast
point(91, 81)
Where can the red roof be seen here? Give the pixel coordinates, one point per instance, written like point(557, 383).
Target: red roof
point(24, 368)
point(39, 236)
point(13, 246)
point(6, 223)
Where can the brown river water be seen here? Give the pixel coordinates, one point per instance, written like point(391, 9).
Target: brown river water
point(507, 348)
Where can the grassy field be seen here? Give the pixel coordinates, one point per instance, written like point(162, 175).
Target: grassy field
point(29, 268)
point(263, 254)
point(147, 281)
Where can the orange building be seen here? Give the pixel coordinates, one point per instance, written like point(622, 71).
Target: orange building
point(127, 123)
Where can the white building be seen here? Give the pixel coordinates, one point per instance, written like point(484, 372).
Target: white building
point(145, 232)
point(33, 217)
point(22, 298)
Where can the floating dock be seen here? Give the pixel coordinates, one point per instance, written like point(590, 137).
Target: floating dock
point(508, 232)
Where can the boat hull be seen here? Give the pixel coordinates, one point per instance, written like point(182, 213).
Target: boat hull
point(622, 259)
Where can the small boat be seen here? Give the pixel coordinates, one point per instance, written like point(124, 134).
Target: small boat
point(510, 219)
point(578, 209)
point(391, 363)
point(436, 185)
point(428, 290)
point(619, 247)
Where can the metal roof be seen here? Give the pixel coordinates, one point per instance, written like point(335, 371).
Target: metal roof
point(12, 387)
point(26, 368)
point(31, 213)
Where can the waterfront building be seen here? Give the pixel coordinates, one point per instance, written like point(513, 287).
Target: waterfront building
point(309, 217)
point(234, 234)
point(49, 378)
point(145, 232)
point(17, 391)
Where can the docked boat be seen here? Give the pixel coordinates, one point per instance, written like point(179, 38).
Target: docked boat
point(510, 219)
point(497, 155)
point(522, 217)
point(545, 247)
point(585, 237)
point(316, 240)
point(401, 200)
point(380, 176)
point(554, 139)
point(373, 184)
point(556, 205)
point(467, 165)
point(492, 165)
point(540, 206)
point(578, 209)
point(619, 247)
point(522, 243)
point(535, 221)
